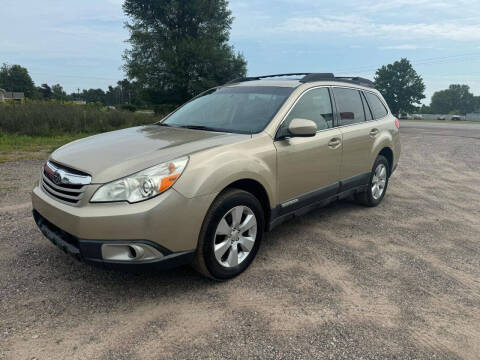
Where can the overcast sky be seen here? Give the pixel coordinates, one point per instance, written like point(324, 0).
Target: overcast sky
point(79, 44)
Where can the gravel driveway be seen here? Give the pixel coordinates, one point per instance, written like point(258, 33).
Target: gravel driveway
point(397, 281)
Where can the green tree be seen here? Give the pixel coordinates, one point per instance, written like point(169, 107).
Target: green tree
point(58, 92)
point(16, 78)
point(477, 104)
point(125, 92)
point(400, 85)
point(93, 96)
point(180, 48)
point(113, 95)
point(45, 91)
point(425, 109)
point(457, 98)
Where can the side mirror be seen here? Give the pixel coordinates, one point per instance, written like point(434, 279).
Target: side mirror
point(302, 128)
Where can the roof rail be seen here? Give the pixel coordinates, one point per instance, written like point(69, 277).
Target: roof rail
point(311, 77)
point(356, 80)
point(317, 77)
point(330, 77)
point(250, 78)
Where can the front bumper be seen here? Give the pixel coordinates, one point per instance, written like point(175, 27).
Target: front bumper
point(169, 221)
point(90, 251)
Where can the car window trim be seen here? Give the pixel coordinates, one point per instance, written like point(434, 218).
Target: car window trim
point(295, 103)
point(336, 118)
point(337, 126)
point(367, 105)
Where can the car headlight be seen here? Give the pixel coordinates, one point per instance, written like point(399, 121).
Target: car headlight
point(142, 185)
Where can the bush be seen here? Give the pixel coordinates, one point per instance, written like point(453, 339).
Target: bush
point(128, 107)
point(48, 119)
point(163, 109)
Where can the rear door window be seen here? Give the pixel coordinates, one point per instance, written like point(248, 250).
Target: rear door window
point(378, 109)
point(349, 106)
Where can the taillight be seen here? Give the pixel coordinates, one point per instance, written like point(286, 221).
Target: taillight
point(397, 123)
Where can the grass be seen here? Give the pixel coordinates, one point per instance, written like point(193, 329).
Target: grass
point(23, 147)
point(49, 119)
point(34, 129)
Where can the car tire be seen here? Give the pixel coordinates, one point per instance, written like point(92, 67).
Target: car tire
point(377, 184)
point(225, 248)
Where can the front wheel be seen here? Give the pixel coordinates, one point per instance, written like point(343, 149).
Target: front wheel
point(230, 236)
point(377, 185)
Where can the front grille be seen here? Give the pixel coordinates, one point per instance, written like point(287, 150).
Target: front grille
point(64, 184)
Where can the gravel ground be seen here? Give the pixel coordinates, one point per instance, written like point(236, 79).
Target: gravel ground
point(397, 281)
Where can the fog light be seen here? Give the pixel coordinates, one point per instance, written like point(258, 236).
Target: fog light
point(130, 252)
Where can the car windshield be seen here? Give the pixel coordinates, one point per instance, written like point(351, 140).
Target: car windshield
point(237, 109)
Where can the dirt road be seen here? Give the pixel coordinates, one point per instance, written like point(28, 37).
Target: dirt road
point(398, 281)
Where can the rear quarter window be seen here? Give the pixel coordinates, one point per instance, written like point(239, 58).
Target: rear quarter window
point(376, 105)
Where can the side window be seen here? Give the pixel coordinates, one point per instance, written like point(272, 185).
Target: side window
point(314, 105)
point(368, 113)
point(378, 109)
point(349, 105)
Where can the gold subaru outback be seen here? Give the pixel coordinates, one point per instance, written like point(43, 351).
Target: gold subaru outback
point(202, 185)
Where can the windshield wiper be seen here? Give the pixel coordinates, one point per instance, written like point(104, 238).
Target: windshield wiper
point(162, 124)
point(201, 127)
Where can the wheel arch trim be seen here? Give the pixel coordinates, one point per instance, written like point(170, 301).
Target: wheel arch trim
point(384, 144)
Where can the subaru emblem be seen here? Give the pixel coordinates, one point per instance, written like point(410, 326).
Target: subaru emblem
point(57, 178)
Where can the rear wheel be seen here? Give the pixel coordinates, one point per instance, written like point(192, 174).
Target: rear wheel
point(377, 185)
point(230, 235)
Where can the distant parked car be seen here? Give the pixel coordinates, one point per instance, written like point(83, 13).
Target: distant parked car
point(418, 117)
point(405, 117)
point(441, 117)
point(456, 118)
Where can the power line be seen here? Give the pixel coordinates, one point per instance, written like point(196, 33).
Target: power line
point(426, 61)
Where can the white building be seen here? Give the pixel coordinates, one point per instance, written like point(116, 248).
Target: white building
point(14, 96)
point(473, 117)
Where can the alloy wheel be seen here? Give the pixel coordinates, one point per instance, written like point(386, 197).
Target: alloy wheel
point(235, 236)
point(379, 181)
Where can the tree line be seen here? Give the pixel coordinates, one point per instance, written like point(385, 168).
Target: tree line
point(181, 48)
point(403, 89)
point(456, 100)
point(16, 78)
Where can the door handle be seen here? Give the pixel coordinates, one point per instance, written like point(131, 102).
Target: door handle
point(374, 132)
point(334, 143)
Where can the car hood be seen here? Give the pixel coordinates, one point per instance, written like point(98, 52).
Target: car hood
point(110, 156)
